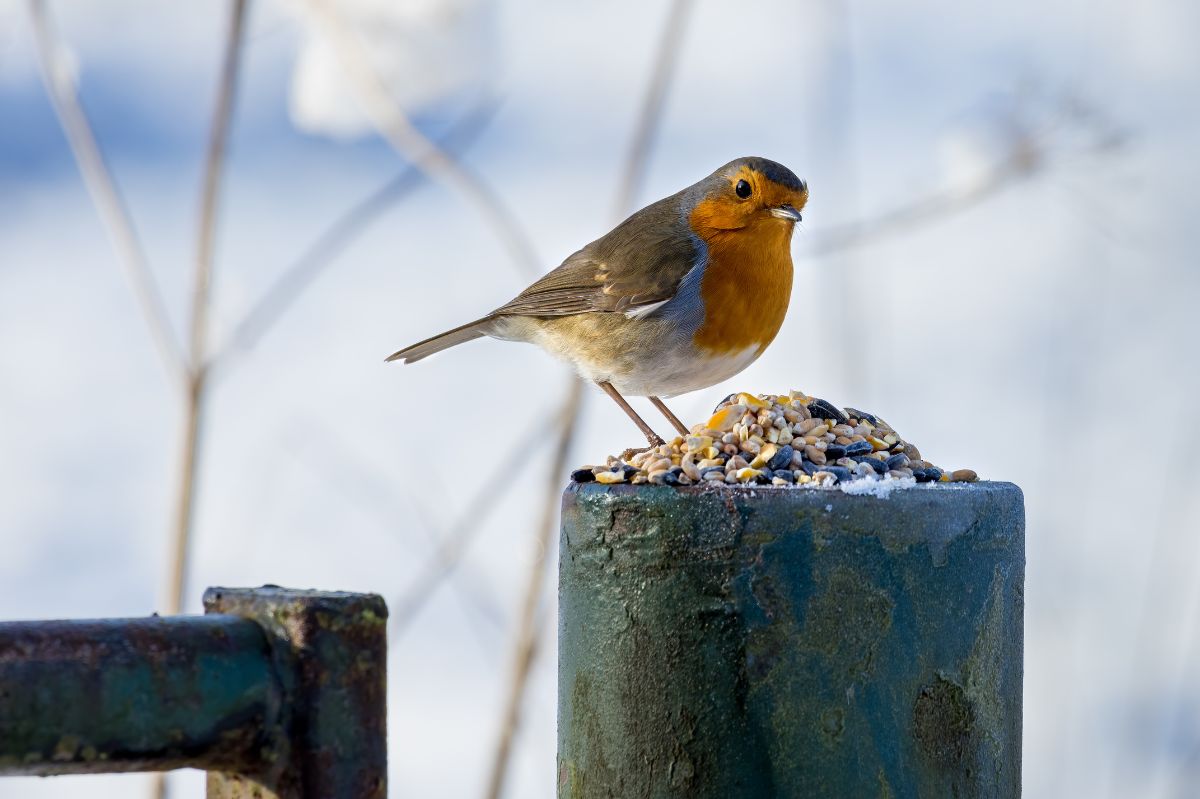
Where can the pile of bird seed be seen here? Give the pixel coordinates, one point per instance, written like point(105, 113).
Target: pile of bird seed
point(781, 440)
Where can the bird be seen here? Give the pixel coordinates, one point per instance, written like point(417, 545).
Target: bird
point(685, 293)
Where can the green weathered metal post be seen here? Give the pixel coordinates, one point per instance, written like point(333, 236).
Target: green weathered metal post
point(333, 648)
point(760, 643)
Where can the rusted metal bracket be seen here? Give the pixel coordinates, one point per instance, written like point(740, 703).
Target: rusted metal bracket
point(275, 692)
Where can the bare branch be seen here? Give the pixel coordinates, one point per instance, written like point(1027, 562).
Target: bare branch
point(60, 86)
point(456, 541)
point(652, 106)
point(302, 272)
point(366, 484)
point(905, 218)
point(197, 377)
point(529, 632)
point(410, 143)
point(1027, 155)
point(525, 646)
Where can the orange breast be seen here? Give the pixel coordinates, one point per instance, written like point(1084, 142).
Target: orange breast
point(746, 287)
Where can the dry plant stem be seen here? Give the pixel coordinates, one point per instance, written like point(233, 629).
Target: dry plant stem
point(525, 647)
point(405, 608)
point(652, 104)
point(650, 435)
point(198, 369)
point(528, 633)
point(672, 418)
point(60, 86)
point(409, 142)
point(908, 217)
point(322, 252)
point(198, 372)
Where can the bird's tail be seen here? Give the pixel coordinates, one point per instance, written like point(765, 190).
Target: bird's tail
point(442, 341)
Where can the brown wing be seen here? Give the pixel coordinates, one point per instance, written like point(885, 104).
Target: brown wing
point(640, 262)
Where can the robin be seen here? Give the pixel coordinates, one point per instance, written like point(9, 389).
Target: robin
point(683, 294)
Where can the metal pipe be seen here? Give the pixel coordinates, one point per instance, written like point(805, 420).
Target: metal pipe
point(84, 697)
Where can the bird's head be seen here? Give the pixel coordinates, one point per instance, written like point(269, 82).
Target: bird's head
point(749, 193)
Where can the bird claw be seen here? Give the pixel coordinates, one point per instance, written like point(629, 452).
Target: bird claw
point(629, 453)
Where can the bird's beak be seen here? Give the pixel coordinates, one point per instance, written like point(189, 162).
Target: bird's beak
point(786, 212)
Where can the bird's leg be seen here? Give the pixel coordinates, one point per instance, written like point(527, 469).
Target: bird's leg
point(672, 418)
point(650, 435)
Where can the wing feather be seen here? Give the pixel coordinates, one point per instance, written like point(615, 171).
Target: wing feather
point(640, 263)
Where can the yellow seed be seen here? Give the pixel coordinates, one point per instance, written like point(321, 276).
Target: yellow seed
point(726, 418)
point(695, 443)
point(751, 401)
point(747, 474)
point(610, 477)
point(876, 443)
point(890, 439)
point(802, 479)
point(764, 456)
point(707, 462)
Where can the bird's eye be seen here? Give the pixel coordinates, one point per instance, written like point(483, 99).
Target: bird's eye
point(742, 189)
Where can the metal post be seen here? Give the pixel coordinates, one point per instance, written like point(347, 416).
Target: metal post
point(757, 642)
point(277, 693)
point(334, 648)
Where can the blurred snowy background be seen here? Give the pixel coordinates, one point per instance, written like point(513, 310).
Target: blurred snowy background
point(999, 257)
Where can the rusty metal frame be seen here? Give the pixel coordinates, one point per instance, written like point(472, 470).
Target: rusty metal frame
point(277, 693)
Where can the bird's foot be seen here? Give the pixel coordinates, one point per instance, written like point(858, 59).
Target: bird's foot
point(629, 453)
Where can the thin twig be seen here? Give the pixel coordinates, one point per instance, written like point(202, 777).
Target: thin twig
point(1028, 156)
point(652, 105)
point(60, 86)
point(365, 484)
point(323, 251)
point(525, 647)
point(197, 377)
point(413, 145)
point(455, 542)
point(198, 372)
point(905, 218)
point(528, 631)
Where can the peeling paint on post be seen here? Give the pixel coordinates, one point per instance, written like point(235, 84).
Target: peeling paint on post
point(751, 643)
